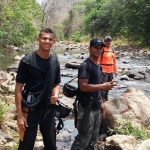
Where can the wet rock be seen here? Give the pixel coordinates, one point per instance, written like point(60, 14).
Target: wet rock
point(125, 61)
point(19, 57)
point(67, 75)
point(66, 54)
point(122, 86)
point(124, 53)
point(135, 75)
point(124, 77)
point(64, 136)
point(73, 65)
point(136, 78)
point(12, 68)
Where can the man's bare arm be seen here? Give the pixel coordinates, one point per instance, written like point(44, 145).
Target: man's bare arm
point(21, 120)
point(55, 94)
point(85, 87)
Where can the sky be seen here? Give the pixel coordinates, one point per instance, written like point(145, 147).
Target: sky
point(39, 1)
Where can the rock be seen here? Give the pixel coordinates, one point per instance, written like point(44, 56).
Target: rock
point(17, 58)
point(8, 83)
point(136, 78)
point(65, 136)
point(125, 142)
point(4, 137)
point(125, 61)
point(136, 74)
point(124, 77)
point(12, 68)
point(121, 86)
point(73, 65)
point(121, 141)
point(67, 75)
point(133, 104)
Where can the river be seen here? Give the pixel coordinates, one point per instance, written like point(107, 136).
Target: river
point(140, 62)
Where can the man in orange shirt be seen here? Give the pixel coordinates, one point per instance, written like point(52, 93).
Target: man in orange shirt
point(108, 63)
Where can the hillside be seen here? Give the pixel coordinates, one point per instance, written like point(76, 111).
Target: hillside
point(57, 11)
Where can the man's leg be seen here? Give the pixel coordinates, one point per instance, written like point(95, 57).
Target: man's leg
point(29, 139)
point(95, 135)
point(82, 140)
point(47, 128)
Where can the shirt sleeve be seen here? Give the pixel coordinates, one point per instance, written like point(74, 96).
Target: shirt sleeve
point(21, 76)
point(83, 71)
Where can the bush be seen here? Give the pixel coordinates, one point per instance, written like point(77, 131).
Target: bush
point(2, 107)
point(76, 37)
point(125, 127)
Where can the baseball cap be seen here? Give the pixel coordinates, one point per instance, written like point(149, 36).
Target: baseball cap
point(107, 38)
point(95, 42)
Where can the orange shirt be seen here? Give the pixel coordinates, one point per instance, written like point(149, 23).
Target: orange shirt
point(108, 61)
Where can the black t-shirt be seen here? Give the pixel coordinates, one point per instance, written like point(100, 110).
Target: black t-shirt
point(26, 73)
point(94, 75)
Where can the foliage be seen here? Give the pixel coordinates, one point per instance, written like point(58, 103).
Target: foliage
point(133, 18)
point(2, 112)
point(16, 22)
point(76, 36)
point(119, 18)
point(94, 22)
point(58, 31)
point(125, 127)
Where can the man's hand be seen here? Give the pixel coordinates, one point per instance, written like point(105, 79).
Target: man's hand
point(103, 109)
point(109, 85)
point(55, 94)
point(53, 99)
point(116, 73)
point(21, 122)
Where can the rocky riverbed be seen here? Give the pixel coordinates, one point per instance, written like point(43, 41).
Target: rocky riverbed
point(134, 71)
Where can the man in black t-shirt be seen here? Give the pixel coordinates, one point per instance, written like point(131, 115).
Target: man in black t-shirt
point(89, 98)
point(36, 93)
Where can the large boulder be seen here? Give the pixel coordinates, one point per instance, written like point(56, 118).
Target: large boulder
point(132, 104)
point(126, 142)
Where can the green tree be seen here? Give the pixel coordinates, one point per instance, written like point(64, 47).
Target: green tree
point(17, 21)
point(123, 18)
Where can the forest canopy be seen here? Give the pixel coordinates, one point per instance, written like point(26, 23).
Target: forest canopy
point(18, 21)
point(119, 18)
point(123, 19)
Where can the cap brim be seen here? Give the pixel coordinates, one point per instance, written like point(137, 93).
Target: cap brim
point(108, 39)
point(98, 44)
